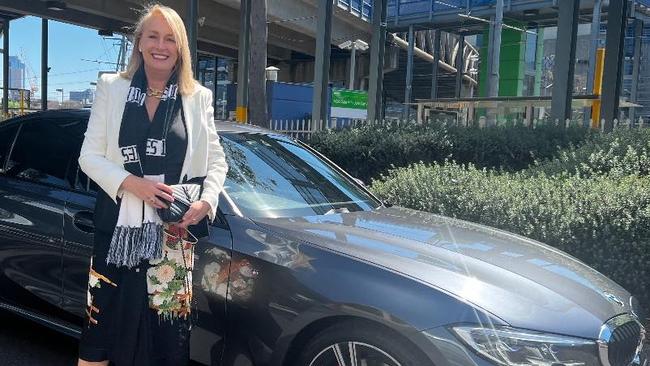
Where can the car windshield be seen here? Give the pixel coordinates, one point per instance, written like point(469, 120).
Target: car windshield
point(271, 175)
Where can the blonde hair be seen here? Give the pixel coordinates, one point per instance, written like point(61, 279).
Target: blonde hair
point(186, 81)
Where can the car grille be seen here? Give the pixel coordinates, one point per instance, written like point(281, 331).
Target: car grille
point(623, 344)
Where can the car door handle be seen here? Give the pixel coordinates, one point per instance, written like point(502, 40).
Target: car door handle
point(83, 220)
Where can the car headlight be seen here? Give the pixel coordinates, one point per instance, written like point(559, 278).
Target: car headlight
point(508, 346)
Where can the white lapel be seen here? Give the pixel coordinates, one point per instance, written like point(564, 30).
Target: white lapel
point(190, 128)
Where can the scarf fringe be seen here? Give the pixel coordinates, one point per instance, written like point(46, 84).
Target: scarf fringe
point(130, 245)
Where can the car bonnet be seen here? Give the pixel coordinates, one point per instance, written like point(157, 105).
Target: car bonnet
point(525, 283)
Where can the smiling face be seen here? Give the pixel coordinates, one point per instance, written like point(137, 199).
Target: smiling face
point(158, 45)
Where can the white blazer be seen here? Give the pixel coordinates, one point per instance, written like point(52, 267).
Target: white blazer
point(101, 158)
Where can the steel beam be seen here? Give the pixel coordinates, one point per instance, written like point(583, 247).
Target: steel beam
point(192, 29)
point(460, 65)
point(436, 61)
point(377, 50)
point(5, 67)
point(243, 62)
point(322, 64)
point(616, 23)
point(409, 74)
point(565, 52)
point(636, 65)
point(44, 62)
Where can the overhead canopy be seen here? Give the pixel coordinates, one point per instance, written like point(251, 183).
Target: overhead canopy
point(291, 22)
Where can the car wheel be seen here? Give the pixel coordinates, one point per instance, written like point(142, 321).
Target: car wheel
point(356, 343)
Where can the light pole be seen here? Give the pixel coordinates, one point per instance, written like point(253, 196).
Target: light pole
point(61, 90)
point(353, 46)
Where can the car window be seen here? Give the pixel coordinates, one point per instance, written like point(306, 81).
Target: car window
point(42, 153)
point(273, 176)
point(82, 182)
point(7, 135)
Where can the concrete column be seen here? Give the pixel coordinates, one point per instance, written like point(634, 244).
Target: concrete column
point(636, 65)
point(616, 23)
point(460, 65)
point(258, 57)
point(595, 35)
point(377, 48)
point(243, 61)
point(539, 62)
point(593, 47)
point(322, 65)
point(215, 97)
point(436, 61)
point(409, 74)
point(353, 65)
point(192, 29)
point(494, 48)
point(565, 52)
point(5, 64)
point(44, 62)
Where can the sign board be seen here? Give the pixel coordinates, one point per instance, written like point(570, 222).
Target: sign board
point(349, 104)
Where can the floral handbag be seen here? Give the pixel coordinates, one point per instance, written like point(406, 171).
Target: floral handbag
point(169, 279)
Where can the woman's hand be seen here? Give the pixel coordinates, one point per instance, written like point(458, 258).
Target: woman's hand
point(196, 213)
point(149, 191)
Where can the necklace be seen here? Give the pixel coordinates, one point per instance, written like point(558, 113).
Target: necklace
point(155, 93)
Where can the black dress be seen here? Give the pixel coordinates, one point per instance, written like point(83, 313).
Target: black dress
point(120, 325)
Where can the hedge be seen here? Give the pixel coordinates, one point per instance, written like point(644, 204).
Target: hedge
point(372, 149)
point(367, 151)
point(603, 221)
point(620, 153)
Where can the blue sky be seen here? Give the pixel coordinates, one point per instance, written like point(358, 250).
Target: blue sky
point(69, 45)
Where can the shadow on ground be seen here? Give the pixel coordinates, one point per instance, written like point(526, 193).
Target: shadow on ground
point(25, 343)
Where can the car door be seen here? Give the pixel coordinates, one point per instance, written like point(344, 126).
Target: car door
point(210, 283)
point(33, 189)
point(78, 229)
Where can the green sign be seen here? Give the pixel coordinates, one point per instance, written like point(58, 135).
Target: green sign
point(349, 103)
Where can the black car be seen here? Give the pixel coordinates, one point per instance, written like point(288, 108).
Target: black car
point(304, 266)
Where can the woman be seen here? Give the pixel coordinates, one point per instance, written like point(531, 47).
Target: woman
point(150, 127)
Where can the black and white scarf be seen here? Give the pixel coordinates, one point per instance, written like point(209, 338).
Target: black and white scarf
point(138, 234)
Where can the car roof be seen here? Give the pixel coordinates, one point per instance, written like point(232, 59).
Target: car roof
point(62, 117)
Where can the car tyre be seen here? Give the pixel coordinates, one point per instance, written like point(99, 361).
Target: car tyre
point(377, 345)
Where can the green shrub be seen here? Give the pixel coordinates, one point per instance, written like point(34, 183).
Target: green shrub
point(620, 153)
point(603, 221)
point(512, 147)
point(371, 150)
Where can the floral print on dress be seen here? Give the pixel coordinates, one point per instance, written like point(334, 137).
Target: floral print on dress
point(94, 281)
point(169, 279)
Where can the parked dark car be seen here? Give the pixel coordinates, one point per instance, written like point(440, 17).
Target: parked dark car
point(304, 266)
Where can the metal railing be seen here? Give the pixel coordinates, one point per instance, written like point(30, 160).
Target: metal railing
point(301, 129)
